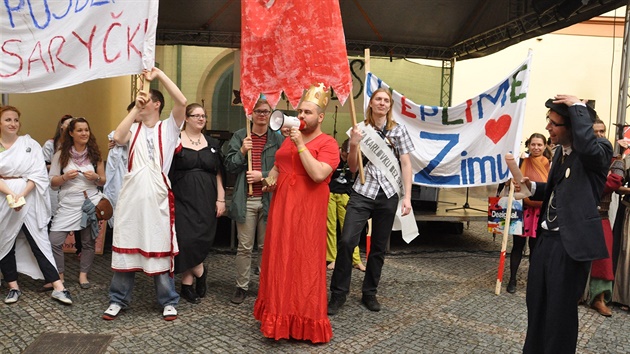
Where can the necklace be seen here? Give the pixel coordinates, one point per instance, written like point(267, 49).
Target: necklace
point(195, 143)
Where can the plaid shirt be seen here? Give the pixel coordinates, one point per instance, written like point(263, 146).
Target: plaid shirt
point(375, 178)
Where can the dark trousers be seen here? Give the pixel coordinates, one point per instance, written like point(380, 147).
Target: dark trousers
point(9, 268)
point(359, 209)
point(555, 285)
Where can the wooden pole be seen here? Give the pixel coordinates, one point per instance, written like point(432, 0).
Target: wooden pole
point(506, 231)
point(249, 153)
point(368, 237)
point(146, 85)
point(353, 115)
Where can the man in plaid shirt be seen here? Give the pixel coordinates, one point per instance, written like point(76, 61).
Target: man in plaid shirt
point(377, 198)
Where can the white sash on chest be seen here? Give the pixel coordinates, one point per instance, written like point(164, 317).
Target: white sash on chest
point(382, 157)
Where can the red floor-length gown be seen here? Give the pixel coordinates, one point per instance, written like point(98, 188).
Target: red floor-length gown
point(291, 299)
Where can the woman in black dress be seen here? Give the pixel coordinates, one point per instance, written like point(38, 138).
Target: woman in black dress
point(197, 184)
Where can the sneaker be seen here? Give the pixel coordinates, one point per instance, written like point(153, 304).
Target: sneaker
point(13, 296)
point(169, 313)
point(239, 296)
point(371, 303)
point(335, 303)
point(112, 312)
point(62, 296)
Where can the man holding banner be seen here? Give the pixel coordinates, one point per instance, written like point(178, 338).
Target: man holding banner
point(387, 190)
point(249, 212)
point(570, 231)
point(144, 233)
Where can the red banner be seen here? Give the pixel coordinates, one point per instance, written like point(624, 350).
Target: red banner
point(289, 45)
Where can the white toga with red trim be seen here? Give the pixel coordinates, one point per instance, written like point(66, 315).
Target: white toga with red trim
point(144, 231)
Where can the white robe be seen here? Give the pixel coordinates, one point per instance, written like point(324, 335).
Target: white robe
point(68, 215)
point(25, 159)
point(144, 231)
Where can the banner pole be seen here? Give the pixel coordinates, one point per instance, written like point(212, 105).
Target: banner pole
point(368, 236)
point(249, 154)
point(506, 231)
point(146, 85)
point(353, 115)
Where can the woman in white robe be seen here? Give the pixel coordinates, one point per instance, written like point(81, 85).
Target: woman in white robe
point(77, 170)
point(23, 177)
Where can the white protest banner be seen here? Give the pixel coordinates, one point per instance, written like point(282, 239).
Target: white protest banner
point(51, 44)
point(464, 145)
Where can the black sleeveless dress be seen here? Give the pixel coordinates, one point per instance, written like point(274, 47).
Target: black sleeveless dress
point(193, 178)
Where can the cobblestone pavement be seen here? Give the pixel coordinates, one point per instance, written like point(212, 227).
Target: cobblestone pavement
point(437, 295)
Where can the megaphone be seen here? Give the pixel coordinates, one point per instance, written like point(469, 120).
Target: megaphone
point(279, 120)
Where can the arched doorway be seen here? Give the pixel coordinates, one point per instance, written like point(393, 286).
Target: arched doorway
point(216, 93)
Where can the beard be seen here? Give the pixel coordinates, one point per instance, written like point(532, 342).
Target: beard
point(308, 129)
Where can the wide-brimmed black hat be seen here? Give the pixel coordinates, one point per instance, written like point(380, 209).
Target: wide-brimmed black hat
point(563, 110)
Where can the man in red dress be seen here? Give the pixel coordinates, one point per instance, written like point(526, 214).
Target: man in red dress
point(291, 299)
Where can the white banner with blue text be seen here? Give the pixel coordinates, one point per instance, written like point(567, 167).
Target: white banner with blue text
point(464, 145)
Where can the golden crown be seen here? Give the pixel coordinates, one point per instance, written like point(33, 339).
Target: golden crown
point(319, 95)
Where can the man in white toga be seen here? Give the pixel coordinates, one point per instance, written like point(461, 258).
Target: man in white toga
point(144, 232)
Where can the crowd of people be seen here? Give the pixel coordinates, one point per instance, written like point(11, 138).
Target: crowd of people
point(166, 180)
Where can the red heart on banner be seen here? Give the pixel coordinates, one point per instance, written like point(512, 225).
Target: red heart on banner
point(496, 129)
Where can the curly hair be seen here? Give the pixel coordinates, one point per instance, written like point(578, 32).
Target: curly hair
point(67, 142)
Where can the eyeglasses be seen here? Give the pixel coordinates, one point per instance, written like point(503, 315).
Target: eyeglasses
point(554, 124)
point(262, 113)
point(198, 116)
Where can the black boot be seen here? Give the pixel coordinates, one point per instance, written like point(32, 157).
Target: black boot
point(335, 303)
point(511, 287)
point(201, 286)
point(189, 294)
point(371, 302)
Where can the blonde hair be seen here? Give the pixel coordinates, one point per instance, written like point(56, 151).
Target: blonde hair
point(368, 115)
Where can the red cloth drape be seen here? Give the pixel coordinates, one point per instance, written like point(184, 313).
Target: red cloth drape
point(289, 45)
